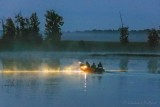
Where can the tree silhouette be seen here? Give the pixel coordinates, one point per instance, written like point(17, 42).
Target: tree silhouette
point(53, 27)
point(153, 38)
point(34, 29)
point(124, 35)
point(22, 27)
point(23, 32)
point(34, 23)
point(9, 31)
point(123, 32)
point(27, 29)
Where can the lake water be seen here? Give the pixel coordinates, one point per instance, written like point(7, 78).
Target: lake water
point(49, 79)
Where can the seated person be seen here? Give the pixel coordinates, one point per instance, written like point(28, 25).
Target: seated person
point(93, 66)
point(99, 68)
point(100, 65)
point(88, 65)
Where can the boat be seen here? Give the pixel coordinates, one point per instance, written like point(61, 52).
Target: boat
point(85, 68)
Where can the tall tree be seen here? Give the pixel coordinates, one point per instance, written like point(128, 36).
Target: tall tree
point(34, 28)
point(124, 35)
point(8, 36)
point(21, 27)
point(53, 27)
point(153, 38)
point(20, 21)
point(123, 32)
point(9, 30)
point(34, 23)
point(27, 29)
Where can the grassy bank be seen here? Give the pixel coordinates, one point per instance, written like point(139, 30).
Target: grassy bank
point(106, 46)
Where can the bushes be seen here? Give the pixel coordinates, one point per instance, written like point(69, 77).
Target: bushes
point(153, 39)
point(124, 35)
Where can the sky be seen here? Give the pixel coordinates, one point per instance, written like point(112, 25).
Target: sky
point(89, 14)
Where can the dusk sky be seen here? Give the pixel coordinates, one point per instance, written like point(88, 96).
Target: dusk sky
point(89, 14)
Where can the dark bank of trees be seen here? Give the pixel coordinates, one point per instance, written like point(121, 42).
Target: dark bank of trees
point(27, 29)
point(153, 38)
point(24, 32)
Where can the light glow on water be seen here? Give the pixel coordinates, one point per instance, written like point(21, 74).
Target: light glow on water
point(85, 81)
point(73, 68)
point(68, 69)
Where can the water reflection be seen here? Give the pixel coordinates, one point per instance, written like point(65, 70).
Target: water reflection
point(154, 65)
point(71, 64)
point(16, 64)
point(12, 84)
point(85, 81)
point(30, 88)
point(23, 76)
point(123, 65)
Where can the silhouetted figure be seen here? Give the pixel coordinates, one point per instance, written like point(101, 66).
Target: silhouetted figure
point(99, 69)
point(93, 66)
point(100, 65)
point(88, 65)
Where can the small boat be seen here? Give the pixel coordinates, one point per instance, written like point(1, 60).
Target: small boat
point(85, 68)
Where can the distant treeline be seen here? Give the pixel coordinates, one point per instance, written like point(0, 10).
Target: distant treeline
point(110, 30)
point(153, 34)
point(24, 32)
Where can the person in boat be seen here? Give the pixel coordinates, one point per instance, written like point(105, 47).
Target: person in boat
point(99, 68)
point(100, 65)
point(93, 66)
point(87, 64)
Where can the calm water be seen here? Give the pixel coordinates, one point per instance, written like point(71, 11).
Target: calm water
point(54, 80)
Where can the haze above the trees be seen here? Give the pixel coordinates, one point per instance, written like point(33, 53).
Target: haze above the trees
point(89, 14)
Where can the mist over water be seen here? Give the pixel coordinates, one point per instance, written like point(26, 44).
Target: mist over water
point(113, 36)
point(104, 36)
point(54, 80)
point(35, 61)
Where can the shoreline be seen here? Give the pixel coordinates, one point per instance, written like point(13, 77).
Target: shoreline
point(86, 46)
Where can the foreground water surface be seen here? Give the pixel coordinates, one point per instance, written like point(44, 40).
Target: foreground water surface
point(54, 80)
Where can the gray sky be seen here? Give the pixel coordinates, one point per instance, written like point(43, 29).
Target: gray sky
point(90, 14)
